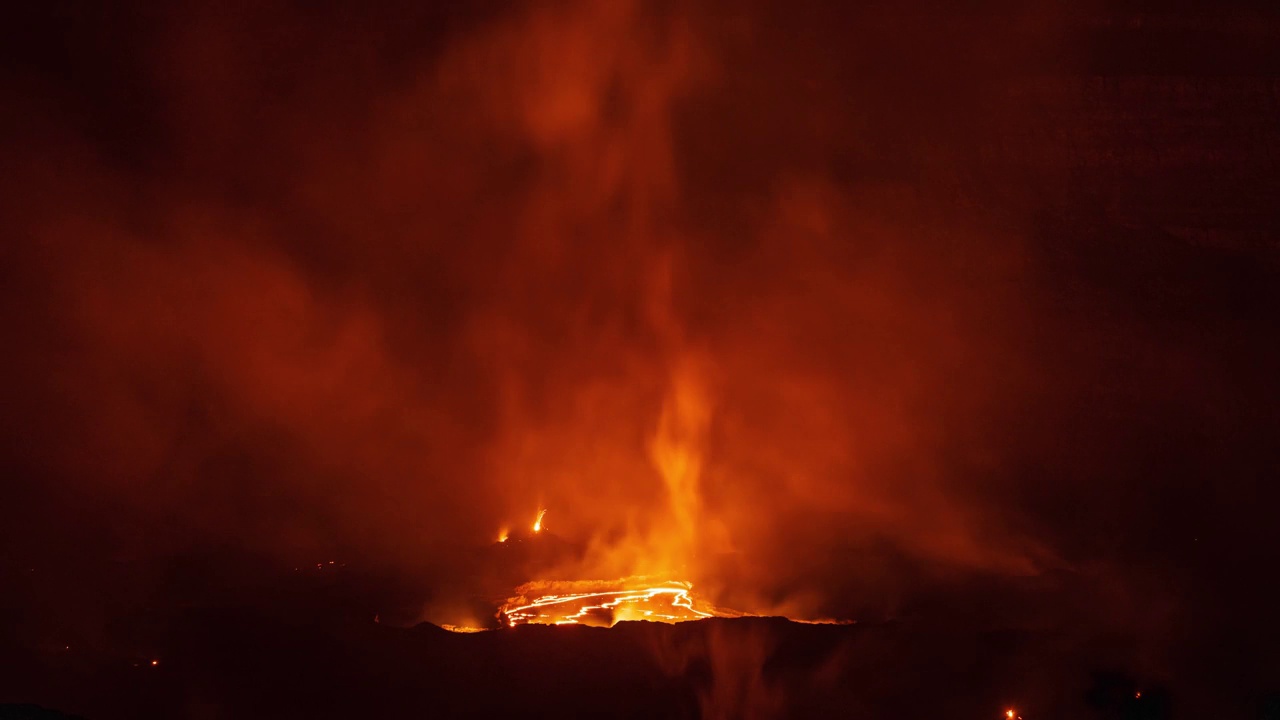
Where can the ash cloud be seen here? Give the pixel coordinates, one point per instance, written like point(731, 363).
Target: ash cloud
point(386, 281)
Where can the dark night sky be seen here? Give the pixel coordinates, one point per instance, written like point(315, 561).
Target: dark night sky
point(972, 304)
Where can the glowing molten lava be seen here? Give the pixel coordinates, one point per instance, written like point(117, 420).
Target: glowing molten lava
point(603, 604)
point(646, 559)
point(675, 451)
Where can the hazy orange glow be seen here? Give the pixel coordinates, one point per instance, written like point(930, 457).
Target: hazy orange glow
point(524, 282)
point(712, 410)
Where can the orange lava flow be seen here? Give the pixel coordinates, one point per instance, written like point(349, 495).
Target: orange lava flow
point(666, 602)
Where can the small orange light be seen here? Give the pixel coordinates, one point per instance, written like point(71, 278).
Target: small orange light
point(1008, 714)
point(1138, 694)
point(155, 663)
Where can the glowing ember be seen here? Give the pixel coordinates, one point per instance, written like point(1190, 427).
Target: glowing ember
point(668, 602)
point(537, 524)
point(503, 535)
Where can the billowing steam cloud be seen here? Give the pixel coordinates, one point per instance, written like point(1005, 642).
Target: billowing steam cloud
point(721, 287)
point(401, 317)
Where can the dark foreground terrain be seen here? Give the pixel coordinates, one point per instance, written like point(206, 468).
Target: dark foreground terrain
point(242, 665)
